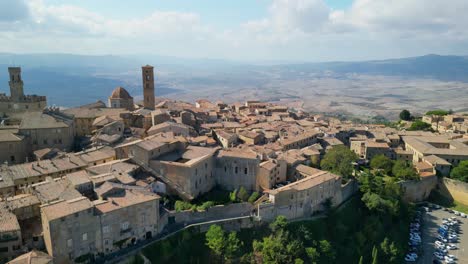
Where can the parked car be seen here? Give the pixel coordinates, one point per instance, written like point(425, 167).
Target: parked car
point(451, 246)
point(410, 259)
point(438, 243)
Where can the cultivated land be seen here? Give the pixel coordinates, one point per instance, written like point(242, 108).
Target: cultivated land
point(353, 95)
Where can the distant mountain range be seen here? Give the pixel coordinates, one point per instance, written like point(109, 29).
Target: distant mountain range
point(70, 80)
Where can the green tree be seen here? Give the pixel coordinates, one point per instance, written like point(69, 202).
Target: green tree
point(361, 260)
point(381, 162)
point(242, 194)
point(405, 115)
point(419, 125)
point(253, 197)
point(375, 255)
point(438, 112)
point(326, 251)
point(272, 248)
point(233, 196)
point(339, 160)
point(460, 172)
point(404, 170)
point(182, 206)
point(232, 246)
point(298, 261)
point(279, 224)
point(313, 254)
point(215, 239)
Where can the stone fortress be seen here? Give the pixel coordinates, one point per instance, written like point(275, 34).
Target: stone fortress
point(18, 102)
point(87, 182)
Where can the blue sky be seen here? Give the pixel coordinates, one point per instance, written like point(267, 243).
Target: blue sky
point(293, 30)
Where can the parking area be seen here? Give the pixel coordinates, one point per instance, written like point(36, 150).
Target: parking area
point(430, 231)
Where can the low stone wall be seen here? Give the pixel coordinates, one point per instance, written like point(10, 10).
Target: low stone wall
point(212, 213)
point(230, 225)
point(454, 189)
point(417, 191)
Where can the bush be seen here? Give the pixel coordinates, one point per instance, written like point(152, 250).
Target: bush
point(253, 197)
point(460, 172)
point(182, 206)
point(205, 206)
point(242, 194)
point(419, 125)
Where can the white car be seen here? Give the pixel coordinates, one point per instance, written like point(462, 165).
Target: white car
point(410, 259)
point(451, 246)
point(438, 243)
point(457, 213)
point(463, 215)
point(451, 256)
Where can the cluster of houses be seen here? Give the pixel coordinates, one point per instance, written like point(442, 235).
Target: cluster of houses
point(94, 202)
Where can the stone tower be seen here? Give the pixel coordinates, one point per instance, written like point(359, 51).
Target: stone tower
point(16, 83)
point(148, 87)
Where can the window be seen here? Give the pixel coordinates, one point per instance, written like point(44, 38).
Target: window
point(60, 141)
point(85, 236)
point(12, 158)
point(147, 77)
point(4, 249)
point(124, 225)
point(69, 243)
point(106, 229)
point(106, 242)
point(26, 106)
point(245, 171)
point(236, 170)
point(35, 239)
point(16, 247)
point(45, 141)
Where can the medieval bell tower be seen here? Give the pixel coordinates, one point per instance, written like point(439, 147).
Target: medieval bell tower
point(16, 83)
point(148, 87)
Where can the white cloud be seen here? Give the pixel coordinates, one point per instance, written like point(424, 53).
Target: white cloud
point(13, 10)
point(293, 29)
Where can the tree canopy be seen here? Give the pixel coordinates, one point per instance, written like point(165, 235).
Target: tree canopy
point(438, 112)
point(405, 115)
point(381, 162)
point(223, 246)
point(460, 172)
point(404, 171)
point(419, 125)
point(339, 160)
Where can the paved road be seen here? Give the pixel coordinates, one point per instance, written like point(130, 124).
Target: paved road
point(432, 221)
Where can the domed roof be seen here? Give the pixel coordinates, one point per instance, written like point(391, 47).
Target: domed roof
point(120, 93)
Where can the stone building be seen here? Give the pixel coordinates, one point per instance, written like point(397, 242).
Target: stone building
point(148, 87)
point(452, 151)
point(126, 216)
point(48, 129)
point(18, 102)
point(10, 234)
point(84, 117)
point(70, 229)
point(270, 173)
point(306, 196)
point(236, 168)
point(13, 147)
point(120, 98)
point(190, 170)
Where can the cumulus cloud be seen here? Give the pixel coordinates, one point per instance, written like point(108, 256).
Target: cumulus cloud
point(292, 29)
point(13, 10)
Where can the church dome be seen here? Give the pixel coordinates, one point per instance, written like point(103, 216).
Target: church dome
point(120, 93)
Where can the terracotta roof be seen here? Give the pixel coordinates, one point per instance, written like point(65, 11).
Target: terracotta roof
point(65, 208)
point(120, 93)
point(33, 257)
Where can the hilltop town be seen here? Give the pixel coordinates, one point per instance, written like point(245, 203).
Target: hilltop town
point(97, 181)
